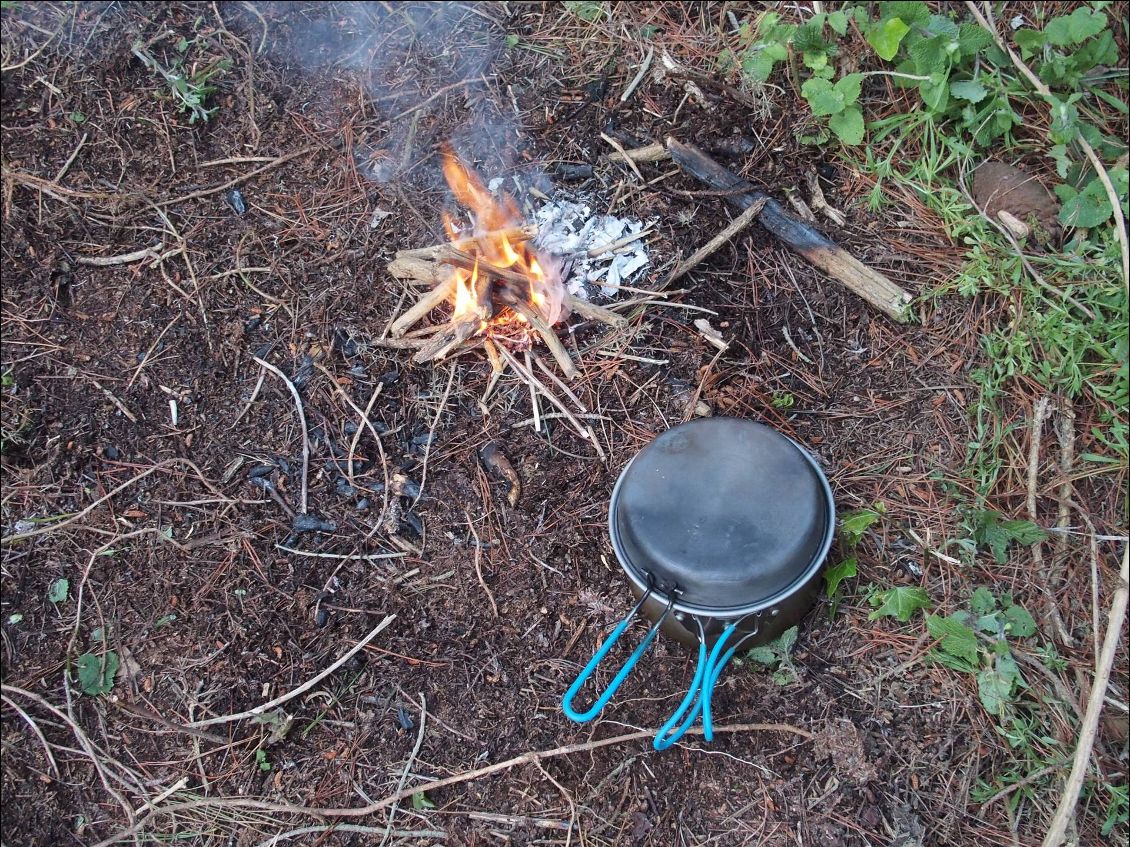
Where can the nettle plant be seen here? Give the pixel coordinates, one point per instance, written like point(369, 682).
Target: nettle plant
point(963, 79)
point(977, 641)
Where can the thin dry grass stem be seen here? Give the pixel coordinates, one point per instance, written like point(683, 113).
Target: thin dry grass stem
point(407, 768)
point(432, 432)
point(306, 686)
point(527, 758)
point(585, 432)
point(251, 399)
point(1065, 811)
point(302, 423)
point(350, 557)
point(364, 416)
point(479, 565)
point(36, 731)
point(89, 749)
point(77, 516)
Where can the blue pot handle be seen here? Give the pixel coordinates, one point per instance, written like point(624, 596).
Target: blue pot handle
point(567, 701)
point(700, 691)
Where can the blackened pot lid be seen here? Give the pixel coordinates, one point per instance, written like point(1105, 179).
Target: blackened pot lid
point(731, 514)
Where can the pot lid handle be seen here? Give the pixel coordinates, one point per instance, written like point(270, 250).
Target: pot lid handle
point(567, 702)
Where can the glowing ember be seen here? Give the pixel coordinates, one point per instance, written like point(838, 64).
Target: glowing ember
point(505, 273)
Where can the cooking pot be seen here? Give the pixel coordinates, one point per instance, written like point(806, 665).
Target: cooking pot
point(722, 526)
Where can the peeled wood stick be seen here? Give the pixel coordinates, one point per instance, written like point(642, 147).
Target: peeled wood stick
point(437, 250)
point(651, 153)
point(592, 312)
point(414, 267)
point(444, 342)
point(548, 336)
point(425, 304)
point(868, 283)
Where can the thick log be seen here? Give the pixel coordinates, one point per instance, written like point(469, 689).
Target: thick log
point(804, 239)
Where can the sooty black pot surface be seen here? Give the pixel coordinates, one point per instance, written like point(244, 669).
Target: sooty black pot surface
point(730, 515)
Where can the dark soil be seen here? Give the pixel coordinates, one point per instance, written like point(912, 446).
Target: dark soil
point(182, 573)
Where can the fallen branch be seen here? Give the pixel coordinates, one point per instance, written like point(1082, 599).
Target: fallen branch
point(593, 312)
point(868, 283)
point(560, 354)
point(440, 294)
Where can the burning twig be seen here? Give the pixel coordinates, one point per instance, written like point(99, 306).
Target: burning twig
point(866, 282)
point(560, 354)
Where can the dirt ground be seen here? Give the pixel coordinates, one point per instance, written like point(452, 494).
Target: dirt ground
point(173, 557)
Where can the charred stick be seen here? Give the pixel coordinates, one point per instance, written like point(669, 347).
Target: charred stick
point(425, 304)
point(866, 282)
point(467, 262)
point(484, 306)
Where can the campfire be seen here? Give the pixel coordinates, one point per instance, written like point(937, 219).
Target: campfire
point(504, 293)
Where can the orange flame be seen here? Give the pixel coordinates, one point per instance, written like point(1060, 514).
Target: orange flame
point(496, 240)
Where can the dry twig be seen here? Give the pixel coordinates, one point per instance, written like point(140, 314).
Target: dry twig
point(306, 686)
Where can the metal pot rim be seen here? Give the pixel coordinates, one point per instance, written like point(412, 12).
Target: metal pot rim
point(637, 574)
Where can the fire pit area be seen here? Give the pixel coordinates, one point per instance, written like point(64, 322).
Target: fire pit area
point(475, 424)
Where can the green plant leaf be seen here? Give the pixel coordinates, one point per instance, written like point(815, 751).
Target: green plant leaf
point(1029, 41)
point(59, 590)
point(898, 603)
point(512, 40)
point(836, 574)
point(973, 39)
point(854, 524)
point(968, 89)
point(420, 801)
point(848, 125)
point(849, 86)
point(954, 638)
point(587, 11)
point(762, 655)
point(757, 65)
point(982, 602)
point(1085, 209)
point(822, 96)
point(994, 690)
point(96, 673)
point(989, 531)
point(913, 12)
point(886, 36)
point(1075, 28)
point(838, 21)
point(1018, 622)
